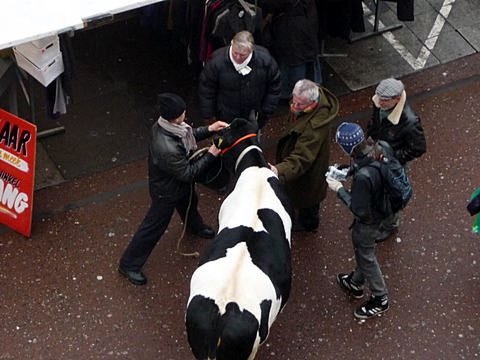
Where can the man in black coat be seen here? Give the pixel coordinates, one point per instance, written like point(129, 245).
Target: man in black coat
point(294, 41)
point(171, 177)
point(395, 122)
point(237, 79)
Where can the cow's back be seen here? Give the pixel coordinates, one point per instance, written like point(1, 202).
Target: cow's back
point(256, 188)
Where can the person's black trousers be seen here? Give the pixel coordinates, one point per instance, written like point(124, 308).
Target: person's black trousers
point(154, 225)
point(309, 218)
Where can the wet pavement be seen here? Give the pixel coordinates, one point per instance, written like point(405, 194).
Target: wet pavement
point(62, 297)
point(442, 31)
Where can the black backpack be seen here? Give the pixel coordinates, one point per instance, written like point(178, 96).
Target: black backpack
point(396, 184)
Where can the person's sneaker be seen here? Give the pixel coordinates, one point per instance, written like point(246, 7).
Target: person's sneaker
point(373, 307)
point(345, 282)
point(385, 234)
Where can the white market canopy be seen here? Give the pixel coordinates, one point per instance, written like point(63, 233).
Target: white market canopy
point(27, 20)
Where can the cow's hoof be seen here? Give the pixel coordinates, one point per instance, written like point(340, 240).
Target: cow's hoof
point(135, 277)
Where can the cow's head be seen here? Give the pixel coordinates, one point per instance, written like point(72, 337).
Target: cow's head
point(238, 129)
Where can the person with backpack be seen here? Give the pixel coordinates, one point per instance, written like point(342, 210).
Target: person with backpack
point(395, 122)
point(366, 201)
point(397, 187)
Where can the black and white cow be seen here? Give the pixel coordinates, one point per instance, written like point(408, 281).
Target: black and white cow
point(244, 276)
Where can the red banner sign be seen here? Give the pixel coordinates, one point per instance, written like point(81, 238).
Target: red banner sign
point(18, 140)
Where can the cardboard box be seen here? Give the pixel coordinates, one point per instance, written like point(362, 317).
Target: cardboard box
point(45, 74)
point(40, 52)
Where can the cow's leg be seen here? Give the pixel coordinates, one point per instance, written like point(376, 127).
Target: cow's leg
point(238, 334)
point(202, 323)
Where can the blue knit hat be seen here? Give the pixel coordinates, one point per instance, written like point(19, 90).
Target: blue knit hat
point(348, 136)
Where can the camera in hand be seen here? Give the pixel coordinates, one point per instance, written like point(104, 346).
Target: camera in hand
point(336, 173)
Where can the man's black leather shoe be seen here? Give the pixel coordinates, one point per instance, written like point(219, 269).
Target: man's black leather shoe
point(206, 232)
point(135, 277)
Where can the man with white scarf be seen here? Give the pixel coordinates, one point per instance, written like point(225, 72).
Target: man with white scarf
point(237, 79)
point(171, 178)
point(395, 122)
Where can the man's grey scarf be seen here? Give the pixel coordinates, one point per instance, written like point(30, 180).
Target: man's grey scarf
point(183, 131)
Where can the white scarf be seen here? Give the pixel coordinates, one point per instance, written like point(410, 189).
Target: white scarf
point(243, 68)
point(396, 112)
point(183, 131)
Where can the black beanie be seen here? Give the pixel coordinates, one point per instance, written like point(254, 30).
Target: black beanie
point(171, 106)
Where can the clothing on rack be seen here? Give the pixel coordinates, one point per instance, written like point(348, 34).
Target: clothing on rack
point(339, 18)
point(405, 9)
point(59, 92)
point(194, 19)
point(213, 23)
point(234, 17)
point(294, 41)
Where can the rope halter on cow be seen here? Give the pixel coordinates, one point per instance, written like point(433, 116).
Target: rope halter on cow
point(248, 136)
point(247, 149)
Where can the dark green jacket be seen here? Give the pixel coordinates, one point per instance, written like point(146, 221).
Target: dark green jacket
point(303, 152)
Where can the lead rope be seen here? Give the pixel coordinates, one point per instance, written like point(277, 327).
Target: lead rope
point(195, 253)
point(185, 221)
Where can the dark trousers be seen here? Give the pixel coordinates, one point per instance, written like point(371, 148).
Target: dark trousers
point(368, 268)
point(154, 225)
point(309, 218)
point(290, 74)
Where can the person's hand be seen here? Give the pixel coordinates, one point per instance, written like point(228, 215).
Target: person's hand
point(273, 168)
point(333, 184)
point(214, 150)
point(217, 125)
